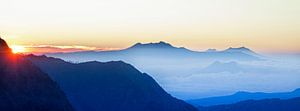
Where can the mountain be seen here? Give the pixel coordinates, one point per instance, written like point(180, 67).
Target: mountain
point(160, 45)
point(4, 49)
point(156, 51)
point(242, 96)
point(258, 105)
point(24, 87)
point(110, 86)
point(242, 50)
point(163, 61)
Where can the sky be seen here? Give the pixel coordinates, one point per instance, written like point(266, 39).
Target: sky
point(267, 26)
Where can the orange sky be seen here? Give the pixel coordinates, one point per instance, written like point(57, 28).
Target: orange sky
point(264, 26)
point(261, 45)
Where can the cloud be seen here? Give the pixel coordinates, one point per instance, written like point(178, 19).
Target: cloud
point(42, 49)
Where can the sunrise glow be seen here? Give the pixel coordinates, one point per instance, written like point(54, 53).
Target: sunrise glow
point(18, 49)
point(150, 55)
point(193, 24)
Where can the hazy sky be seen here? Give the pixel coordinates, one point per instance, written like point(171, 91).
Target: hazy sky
point(263, 25)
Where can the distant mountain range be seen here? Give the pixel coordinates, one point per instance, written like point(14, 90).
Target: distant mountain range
point(111, 86)
point(160, 45)
point(243, 50)
point(242, 96)
point(118, 86)
point(258, 105)
point(166, 63)
point(156, 51)
point(24, 87)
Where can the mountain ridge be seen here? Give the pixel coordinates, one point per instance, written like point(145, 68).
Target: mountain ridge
point(273, 104)
point(160, 44)
point(242, 49)
point(166, 45)
point(105, 85)
point(242, 96)
point(4, 47)
point(157, 50)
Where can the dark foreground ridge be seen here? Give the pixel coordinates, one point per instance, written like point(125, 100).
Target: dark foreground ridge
point(24, 87)
point(111, 86)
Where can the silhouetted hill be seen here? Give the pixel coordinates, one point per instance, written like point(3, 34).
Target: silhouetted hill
point(242, 96)
point(111, 86)
point(4, 49)
point(152, 45)
point(258, 105)
point(24, 87)
point(240, 49)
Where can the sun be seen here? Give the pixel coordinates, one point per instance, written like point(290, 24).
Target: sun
point(18, 49)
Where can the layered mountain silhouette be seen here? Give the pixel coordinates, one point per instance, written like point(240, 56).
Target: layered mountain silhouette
point(258, 105)
point(242, 50)
point(156, 51)
point(160, 45)
point(243, 96)
point(163, 61)
point(111, 86)
point(24, 87)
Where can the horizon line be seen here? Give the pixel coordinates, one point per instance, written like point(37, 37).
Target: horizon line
point(44, 49)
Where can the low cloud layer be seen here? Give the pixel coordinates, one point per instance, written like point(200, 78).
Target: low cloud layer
point(43, 49)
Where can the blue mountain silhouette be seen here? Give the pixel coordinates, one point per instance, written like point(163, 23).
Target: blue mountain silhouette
point(110, 86)
point(258, 105)
point(242, 96)
point(156, 51)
